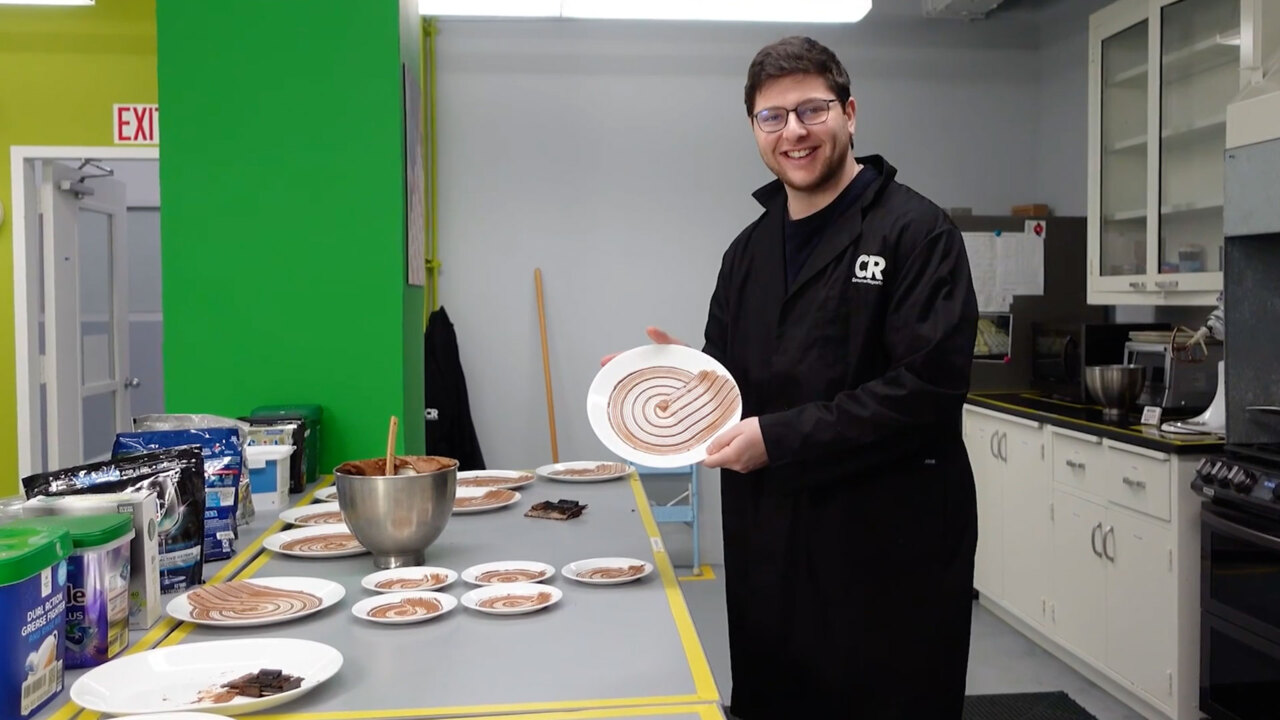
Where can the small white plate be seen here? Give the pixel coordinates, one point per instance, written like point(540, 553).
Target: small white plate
point(506, 497)
point(574, 570)
point(171, 716)
point(585, 471)
point(317, 515)
point(520, 570)
point(632, 391)
point(500, 479)
point(474, 598)
point(326, 591)
point(365, 608)
point(370, 582)
point(169, 679)
point(277, 542)
point(327, 494)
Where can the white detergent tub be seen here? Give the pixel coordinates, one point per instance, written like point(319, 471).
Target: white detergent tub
point(269, 475)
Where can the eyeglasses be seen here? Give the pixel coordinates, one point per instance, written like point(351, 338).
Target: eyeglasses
point(809, 112)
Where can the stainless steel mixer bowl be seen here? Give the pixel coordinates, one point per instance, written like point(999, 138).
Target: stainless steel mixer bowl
point(1115, 387)
point(397, 517)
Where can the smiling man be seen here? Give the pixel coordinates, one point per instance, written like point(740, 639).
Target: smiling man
point(847, 316)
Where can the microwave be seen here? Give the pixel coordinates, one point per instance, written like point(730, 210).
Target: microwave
point(1062, 350)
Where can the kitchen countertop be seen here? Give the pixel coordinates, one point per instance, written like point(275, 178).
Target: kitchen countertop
point(1089, 419)
point(612, 651)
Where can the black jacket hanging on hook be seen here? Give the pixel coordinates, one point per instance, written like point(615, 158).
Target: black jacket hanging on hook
point(450, 432)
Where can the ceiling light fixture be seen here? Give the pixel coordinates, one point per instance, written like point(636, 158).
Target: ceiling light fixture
point(796, 11)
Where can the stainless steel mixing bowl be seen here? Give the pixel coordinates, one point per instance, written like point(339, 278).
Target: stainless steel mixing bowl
point(397, 517)
point(1115, 387)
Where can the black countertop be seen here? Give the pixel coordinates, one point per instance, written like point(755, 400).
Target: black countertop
point(1089, 419)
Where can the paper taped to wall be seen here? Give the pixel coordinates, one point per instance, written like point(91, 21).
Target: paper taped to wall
point(1006, 264)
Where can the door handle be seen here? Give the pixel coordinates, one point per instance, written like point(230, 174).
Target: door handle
point(992, 445)
point(1136, 285)
point(1004, 447)
point(1167, 284)
point(1139, 484)
point(1093, 539)
point(1075, 465)
point(1110, 533)
point(132, 382)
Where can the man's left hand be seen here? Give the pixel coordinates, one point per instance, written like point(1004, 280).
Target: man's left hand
point(740, 448)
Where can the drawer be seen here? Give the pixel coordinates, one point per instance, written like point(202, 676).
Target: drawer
point(1077, 461)
point(1138, 480)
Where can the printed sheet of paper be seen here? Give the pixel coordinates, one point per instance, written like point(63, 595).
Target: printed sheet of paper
point(1006, 264)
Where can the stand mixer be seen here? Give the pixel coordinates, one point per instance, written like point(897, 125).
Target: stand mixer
point(1214, 419)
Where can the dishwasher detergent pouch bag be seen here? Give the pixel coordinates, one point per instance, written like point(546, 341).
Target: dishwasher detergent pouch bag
point(223, 470)
point(175, 475)
point(176, 421)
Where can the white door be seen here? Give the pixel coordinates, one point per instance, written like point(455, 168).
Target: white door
point(1079, 581)
point(86, 349)
point(980, 441)
point(1140, 608)
point(1026, 520)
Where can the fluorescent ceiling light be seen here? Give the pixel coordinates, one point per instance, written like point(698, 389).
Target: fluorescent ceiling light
point(46, 2)
point(490, 8)
point(797, 11)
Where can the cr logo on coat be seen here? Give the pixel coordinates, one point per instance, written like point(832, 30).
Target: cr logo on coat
point(867, 269)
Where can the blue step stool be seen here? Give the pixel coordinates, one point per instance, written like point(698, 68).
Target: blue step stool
point(675, 511)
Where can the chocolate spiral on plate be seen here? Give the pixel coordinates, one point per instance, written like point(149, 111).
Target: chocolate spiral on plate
point(666, 411)
point(426, 582)
point(612, 573)
point(489, 498)
point(327, 543)
point(600, 470)
point(406, 608)
point(481, 481)
point(514, 602)
point(244, 600)
point(510, 576)
point(332, 517)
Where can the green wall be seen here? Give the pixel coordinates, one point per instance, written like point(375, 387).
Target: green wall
point(283, 216)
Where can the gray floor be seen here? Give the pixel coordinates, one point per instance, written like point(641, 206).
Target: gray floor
point(1001, 660)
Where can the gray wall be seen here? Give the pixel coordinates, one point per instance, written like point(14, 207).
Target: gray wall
point(618, 158)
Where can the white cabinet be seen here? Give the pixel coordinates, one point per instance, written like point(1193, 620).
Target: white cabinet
point(1161, 73)
point(1140, 603)
point(1007, 455)
point(1091, 547)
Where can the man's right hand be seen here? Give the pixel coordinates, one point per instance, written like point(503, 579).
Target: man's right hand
point(656, 335)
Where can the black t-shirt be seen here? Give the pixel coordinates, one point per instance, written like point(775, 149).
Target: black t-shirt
point(801, 236)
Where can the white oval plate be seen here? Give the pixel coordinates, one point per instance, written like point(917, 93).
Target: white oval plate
point(473, 573)
point(275, 543)
point(370, 582)
point(298, 516)
point(169, 679)
point(479, 492)
point(328, 591)
point(326, 494)
point(650, 356)
point(609, 471)
point(572, 569)
point(170, 716)
point(473, 598)
point(510, 479)
point(363, 608)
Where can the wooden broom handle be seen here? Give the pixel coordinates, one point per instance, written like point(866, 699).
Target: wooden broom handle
point(546, 365)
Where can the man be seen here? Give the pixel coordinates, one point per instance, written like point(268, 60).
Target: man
point(847, 316)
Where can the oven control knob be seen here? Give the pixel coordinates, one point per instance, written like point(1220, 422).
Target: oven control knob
point(1243, 480)
point(1221, 474)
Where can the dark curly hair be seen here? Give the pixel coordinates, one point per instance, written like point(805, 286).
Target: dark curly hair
point(795, 55)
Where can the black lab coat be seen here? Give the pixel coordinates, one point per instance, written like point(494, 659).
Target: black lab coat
point(849, 558)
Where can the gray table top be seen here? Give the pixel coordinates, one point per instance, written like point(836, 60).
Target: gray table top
point(701, 711)
point(600, 647)
point(247, 547)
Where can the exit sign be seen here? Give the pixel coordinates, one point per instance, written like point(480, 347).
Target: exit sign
point(135, 124)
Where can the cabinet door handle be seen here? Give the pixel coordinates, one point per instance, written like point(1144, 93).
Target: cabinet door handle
point(1004, 447)
point(1093, 539)
point(1167, 284)
point(1139, 484)
point(1075, 465)
point(1137, 285)
point(1110, 533)
point(992, 445)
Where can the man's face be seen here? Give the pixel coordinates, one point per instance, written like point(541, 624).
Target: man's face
point(804, 157)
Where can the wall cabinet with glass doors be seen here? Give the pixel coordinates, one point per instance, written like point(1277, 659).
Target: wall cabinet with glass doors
point(1161, 74)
